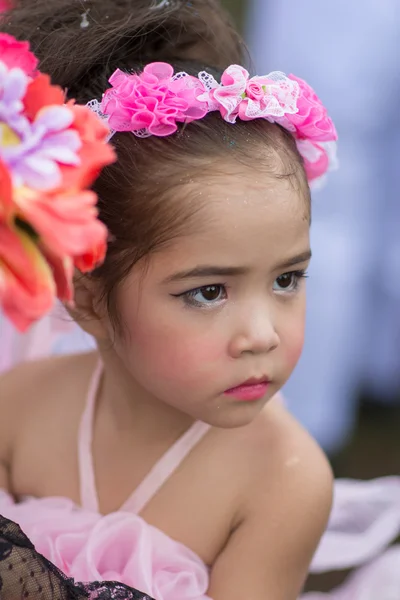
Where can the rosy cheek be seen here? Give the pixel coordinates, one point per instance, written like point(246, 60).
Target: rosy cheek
point(294, 348)
point(186, 360)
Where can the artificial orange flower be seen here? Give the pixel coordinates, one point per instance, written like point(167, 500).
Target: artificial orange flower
point(41, 93)
point(6, 193)
point(65, 222)
point(27, 287)
point(50, 154)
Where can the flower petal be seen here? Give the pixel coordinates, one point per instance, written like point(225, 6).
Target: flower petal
point(17, 54)
point(66, 223)
point(62, 269)
point(27, 288)
point(55, 118)
point(15, 86)
point(39, 172)
point(6, 193)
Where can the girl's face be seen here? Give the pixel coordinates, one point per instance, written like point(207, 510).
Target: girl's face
point(222, 306)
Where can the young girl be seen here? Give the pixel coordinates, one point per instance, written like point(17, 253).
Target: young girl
point(165, 460)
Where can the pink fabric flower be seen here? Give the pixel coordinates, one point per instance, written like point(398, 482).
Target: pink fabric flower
point(316, 157)
point(17, 54)
point(255, 91)
point(153, 102)
point(269, 97)
point(239, 96)
point(4, 5)
point(311, 119)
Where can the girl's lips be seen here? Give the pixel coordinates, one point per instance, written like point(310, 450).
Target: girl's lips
point(249, 391)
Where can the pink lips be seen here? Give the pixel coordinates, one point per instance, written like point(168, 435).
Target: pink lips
point(249, 391)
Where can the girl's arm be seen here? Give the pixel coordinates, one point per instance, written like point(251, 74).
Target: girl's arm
point(285, 514)
point(14, 388)
point(3, 476)
point(5, 427)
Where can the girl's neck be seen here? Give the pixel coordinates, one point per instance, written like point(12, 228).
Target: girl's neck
point(132, 409)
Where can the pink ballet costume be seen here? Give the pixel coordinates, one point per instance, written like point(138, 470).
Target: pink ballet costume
point(121, 546)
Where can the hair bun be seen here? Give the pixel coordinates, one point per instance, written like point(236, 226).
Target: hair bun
point(81, 42)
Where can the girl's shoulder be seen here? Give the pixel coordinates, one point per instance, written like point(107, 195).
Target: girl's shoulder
point(283, 499)
point(278, 465)
point(35, 391)
point(33, 381)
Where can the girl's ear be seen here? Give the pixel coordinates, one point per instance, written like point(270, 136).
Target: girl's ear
point(87, 310)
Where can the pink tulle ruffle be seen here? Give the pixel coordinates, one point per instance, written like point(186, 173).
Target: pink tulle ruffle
point(118, 547)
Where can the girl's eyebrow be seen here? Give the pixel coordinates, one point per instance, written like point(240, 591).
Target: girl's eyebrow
point(226, 271)
point(295, 260)
point(207, 271)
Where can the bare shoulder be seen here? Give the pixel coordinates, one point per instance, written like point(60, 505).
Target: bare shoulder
point(33, 389)
point(286, 484)
point(288, 467)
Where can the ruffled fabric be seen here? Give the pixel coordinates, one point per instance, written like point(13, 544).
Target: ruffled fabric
point(117, 547)
point(365, 519)
point(122, 547)
point(378, 580)
point(24, 573)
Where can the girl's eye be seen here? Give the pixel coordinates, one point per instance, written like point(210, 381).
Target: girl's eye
point(207, 295)
point(289, 282)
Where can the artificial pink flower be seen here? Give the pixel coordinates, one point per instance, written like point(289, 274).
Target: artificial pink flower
point(239, 96)
point(15, 54)
point(153, 102)
point(227, 96)
point(317, 167)
point(5, 5)
point(255, 91)
point(311, 120)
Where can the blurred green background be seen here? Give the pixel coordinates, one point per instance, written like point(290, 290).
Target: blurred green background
point(237, 9)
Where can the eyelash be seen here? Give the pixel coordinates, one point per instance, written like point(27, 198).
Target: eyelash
point(298, 277)
point(188, 297)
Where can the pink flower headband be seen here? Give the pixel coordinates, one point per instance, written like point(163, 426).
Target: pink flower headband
point(154, 101)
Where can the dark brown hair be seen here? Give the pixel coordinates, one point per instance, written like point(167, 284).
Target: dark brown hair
point(80, 43)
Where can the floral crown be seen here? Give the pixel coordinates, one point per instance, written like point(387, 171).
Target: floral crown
point(154, 101)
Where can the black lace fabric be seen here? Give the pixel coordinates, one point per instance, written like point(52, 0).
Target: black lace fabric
point(26, 574)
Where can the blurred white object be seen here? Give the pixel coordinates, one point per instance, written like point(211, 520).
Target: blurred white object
point(54, 334)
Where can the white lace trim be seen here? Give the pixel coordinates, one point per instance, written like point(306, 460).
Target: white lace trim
point(279, 99)
point(95, 107)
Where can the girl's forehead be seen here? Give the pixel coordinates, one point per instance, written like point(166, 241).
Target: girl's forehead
point(249, 203)
point(251, 225)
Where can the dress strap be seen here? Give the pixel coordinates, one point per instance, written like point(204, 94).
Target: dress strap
point(157, 476)
point(87, 481)
point(164, 468)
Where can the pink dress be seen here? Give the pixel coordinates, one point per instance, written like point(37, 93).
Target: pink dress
point(121, 546)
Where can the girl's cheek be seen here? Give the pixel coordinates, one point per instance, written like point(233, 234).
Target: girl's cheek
point(294, 345)
point(184, 357)
point(294, 354)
